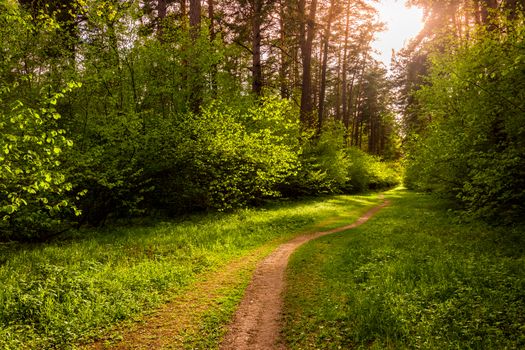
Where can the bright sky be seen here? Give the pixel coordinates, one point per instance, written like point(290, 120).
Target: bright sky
point(402, 23)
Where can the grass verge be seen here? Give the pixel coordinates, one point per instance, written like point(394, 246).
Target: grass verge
point(412, 277)
point(67, 292)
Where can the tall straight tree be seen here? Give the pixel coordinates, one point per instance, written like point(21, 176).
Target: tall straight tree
point(162, 11)
point(213, 35)
point(324, 65)
point(195, 18)
point(284, 52)
point(256, 19)
point(307, 34)
point(344, 73)
point(196, 84)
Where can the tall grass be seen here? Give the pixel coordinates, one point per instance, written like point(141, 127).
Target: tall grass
point(66, 292)
point(414, 276)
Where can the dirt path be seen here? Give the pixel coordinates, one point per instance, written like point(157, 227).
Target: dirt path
point(257, 322)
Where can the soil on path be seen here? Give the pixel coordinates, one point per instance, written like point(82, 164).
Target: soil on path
point(257, 322)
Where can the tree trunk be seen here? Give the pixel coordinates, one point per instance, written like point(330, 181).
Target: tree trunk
point(195, 18)
point(338, 88)
point(162, 8)
point(211, 17)
point(214, 68)
point(196, 85)
point(349, 127)
point(257, 78)
point(316, 74)
point(322, 86)
point(307, 37)
point(477, 12)
point(285, 60)
point(358, 120)
point(344, 98)
point(183, 9)
point(296, 67)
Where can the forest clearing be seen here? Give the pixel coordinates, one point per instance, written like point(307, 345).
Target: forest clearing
point(254, 174)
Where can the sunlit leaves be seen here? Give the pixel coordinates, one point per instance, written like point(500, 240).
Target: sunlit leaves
point(31, 145)
point(474, 149)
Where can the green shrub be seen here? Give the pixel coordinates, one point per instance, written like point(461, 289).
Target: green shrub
point(369, 172)
point(474, 150)
point(327, 166)
point(224, 157)
point(323, 165)
point(33, 188)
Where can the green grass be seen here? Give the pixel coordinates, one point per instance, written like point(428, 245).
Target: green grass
point(413, 277)
point(69, 291)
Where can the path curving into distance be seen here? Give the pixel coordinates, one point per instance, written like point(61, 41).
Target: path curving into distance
point(257, 321)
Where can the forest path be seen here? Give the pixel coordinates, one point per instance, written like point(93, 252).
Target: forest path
point(257, 321)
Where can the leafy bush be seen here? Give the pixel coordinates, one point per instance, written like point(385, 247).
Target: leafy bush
point(323, 166)
point(224, 157)
point(474, 149)
point(32, 187)
point(369, 172)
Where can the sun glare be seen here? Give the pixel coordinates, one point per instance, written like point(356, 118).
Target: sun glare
point(402, 24)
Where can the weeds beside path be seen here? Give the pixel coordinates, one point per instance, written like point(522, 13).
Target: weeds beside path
point(185, 322)
point(176, 325)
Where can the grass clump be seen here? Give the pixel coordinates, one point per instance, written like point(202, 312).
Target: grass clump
point(412, 277)
point(67, 292)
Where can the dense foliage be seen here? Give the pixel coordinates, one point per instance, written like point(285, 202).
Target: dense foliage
point(117, 109)
point(473, 148)
point(328, 166)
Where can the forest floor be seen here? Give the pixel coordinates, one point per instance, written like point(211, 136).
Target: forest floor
point(173, 284)
point(169, 326)
point(418, 275)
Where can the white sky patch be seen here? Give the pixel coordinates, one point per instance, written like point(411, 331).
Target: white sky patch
point(402, 23)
